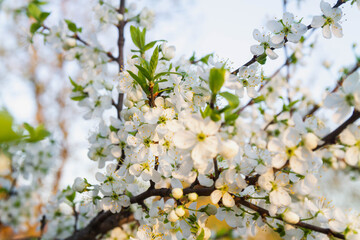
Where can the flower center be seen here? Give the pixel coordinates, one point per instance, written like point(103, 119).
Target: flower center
point(201, 137)
point(166, 144)
point(162, 119)
point(287, 30)
point(290, 152)
point(147, 142)
point(350, 100)
point(114, 196)
point(328, 21)
point(110, 179)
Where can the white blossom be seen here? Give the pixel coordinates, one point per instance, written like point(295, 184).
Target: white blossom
point(330, 20)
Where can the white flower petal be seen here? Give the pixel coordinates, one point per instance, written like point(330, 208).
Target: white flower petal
point(326, 31)
point(325, 8)
point(317, 21)
point(274, 26)
point(337, 30)
point(227, 200)
point(297, 165)
point(257, 50)
point(291, 137)
point(278, 38)
point(116, 151)
point(100, 177)
point(124, 200)
point(215, 196)
point(257, 35)
point(333, 100)
point(288, 18)
point(199, 153)
point(348, 137)
point(272, 55)
point(295, 38)
point(352, 156)
point(135, 170)
point(279, 160)
point(184, 139)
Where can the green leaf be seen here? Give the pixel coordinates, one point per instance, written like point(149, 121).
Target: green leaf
point(230, 118)
point(149, 45)
point(34, 27)
point(77, 87)
point(161, 80)
point(206, 112)
point(140, 81)
point(39, 3)
point(156, 87)
point(7, 134)
point(261, 59)
point(261, 110)
point(226, 108)
point(259, 99)
point(79, 98)
point(34, 11)
point(287, 108)
point(192, 58)
point(215, 116)
point(280, 229)
point(145, 64)
point(154, 61)
point(231, 98)
point(142, 38)
point(43, 16)
point(201, 235)
point(293, 58)
point(36, 134)
point(71, 25)
point(205, 59)
point(216, 79)
point(165, 73)
point(135, 32)
point(144, 72)
point(71, 197)
point(291, 104)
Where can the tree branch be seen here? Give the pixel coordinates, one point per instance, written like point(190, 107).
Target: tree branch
point(331, 137)
point(265, 213)
point(105, 221)
point(338, 84)
point(120, 58)
point(254, 58)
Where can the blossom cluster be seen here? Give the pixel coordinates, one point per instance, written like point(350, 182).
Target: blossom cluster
point(182, 131)
point(181, 127)
point(25, 163)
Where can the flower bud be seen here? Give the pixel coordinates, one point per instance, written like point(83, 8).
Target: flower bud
point(291, 217)
point(79, 184)
point(211, 209)
point(172, 217)
point(177, 193)
point(192, 197)
point(168, 51)
point(180, 211)
point(228, 149)
point(128, 104)
point(119, 17)
point(70, 42)
point(311, 141)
